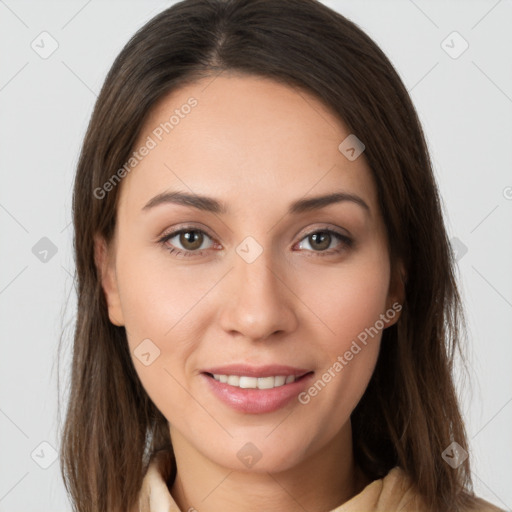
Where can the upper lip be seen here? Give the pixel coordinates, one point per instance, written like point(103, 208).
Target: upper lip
point(257, 371)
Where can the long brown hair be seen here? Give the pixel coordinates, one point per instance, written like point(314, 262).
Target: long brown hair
point(409, 413)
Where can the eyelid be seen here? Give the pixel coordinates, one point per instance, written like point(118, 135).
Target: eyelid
point(323, 227)
point(183, 227)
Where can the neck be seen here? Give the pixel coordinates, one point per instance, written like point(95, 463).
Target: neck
point(320, 482)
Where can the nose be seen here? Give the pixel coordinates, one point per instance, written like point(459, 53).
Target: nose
point(259, 301)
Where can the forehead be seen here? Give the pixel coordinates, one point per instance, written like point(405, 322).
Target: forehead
point(245, 137)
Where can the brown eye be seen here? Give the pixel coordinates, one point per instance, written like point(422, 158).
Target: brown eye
point(325, 242)
point(320, 240)
point(187, 241)
point(191, 240)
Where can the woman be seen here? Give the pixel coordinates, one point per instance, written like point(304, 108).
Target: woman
point(267, 310)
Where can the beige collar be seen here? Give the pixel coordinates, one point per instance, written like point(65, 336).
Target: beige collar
point(392, 493)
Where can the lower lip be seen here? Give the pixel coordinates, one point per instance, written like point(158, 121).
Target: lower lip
point(257, 401)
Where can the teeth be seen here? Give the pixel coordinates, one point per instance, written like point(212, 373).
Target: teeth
point(246, 382)
point(233, 380)
point(279, 381)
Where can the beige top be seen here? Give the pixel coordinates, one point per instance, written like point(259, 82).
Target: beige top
point(394, 492)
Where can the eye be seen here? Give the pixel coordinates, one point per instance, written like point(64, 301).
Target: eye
point(191, 241)
point(187, 241)
point(322, 240)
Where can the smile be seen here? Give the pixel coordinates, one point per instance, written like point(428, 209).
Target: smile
point(256, 393)
point(247, 382)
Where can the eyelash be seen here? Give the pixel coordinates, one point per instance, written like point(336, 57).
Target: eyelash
point(345, 240)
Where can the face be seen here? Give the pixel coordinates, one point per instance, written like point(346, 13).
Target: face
point(225, 267)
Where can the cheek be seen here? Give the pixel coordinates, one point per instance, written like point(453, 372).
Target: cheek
point(345, 299)
point(158, 304)
point(349, 303)
point(158, 297)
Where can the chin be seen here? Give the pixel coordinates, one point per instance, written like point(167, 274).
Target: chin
point(258, 455)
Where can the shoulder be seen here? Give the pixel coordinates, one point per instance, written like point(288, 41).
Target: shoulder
point(397, 480)
point(483, 506)
point(154, 493)
point(396, 491)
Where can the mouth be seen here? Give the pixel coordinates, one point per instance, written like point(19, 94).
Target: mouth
point(250, 382)
point(251, 390)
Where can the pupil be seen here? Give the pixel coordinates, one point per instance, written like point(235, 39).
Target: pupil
point(191, 240)
point(322, 239)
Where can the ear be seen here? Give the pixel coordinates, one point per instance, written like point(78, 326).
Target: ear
point(396, 294)
point(107, 272)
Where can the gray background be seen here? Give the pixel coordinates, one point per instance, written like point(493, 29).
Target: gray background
point(464, 104)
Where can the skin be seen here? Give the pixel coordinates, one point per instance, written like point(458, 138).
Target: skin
point(257, 146)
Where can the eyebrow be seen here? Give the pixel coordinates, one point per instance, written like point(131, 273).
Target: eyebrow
point(212, 205)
